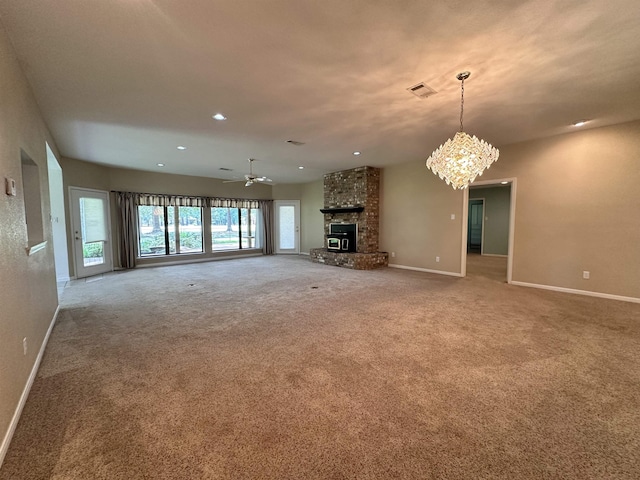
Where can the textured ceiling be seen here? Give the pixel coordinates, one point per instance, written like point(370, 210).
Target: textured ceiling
point(124, 82)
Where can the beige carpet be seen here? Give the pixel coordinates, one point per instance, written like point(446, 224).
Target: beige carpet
point(277, 368)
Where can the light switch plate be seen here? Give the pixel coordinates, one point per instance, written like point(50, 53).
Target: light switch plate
point(10, 185)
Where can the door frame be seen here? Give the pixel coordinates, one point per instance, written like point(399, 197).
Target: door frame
point(276, 205)
point(108, 266)
point(58, 217)
point(512, 223)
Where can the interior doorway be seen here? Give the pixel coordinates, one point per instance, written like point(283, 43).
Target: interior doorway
point(489, 217)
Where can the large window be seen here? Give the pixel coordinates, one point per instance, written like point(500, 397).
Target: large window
point(169, 230)
point(234, 228)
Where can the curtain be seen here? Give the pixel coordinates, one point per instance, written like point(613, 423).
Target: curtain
point(127, 234)
point(127, 203)
point(161, 200)
point(164, 200)
point(268, 244)
point(232, 202)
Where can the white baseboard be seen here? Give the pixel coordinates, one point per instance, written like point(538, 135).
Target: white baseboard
point(494, 255)
point(4, 446)
point(439, 272)
point(578, 292)
point(304, 253)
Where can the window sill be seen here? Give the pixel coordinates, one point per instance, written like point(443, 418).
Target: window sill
point(36, 248)
point(163, 255)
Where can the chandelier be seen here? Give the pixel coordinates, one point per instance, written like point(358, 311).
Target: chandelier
point(459, 161)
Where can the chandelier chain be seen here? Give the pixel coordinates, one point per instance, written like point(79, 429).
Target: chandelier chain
point(461, 103)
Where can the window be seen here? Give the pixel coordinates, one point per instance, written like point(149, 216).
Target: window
point(234, 228)
point(169, 230)
point(181, 230)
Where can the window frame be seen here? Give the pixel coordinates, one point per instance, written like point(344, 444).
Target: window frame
point(167, 232)
point(249, 234)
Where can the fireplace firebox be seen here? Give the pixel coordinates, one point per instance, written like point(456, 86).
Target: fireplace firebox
point(342, 237)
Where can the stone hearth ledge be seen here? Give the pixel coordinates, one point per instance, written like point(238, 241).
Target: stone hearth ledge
point(356, 261)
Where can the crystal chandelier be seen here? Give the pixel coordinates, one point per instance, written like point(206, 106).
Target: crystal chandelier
point(459, 161)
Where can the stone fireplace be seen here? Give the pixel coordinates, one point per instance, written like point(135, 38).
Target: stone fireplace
point(352, 197)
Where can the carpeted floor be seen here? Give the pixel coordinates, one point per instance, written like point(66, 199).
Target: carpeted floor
point(277, 368)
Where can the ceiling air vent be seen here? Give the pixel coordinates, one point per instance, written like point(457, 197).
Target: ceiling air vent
point(224, 169)
point(422, 90)
point(295, 142)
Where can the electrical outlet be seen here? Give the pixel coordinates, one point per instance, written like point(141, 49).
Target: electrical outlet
point(586, 275)
point(437, 259)
point(24, 345)
point(393, 254)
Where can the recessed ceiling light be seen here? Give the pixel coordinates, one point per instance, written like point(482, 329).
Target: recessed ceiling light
point(580, 123)
point(161, 164)
point(301, 167)
point(180, 147)
point(219, 116)
point(357, 153)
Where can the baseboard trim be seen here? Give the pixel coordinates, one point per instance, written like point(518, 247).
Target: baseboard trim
point(494, 255)
point(304, 253)
point(575, 291)
point(197, 260)
point(4, 447)
point(417, 269)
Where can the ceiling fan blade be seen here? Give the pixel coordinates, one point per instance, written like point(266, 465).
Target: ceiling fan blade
point(233, 181)
point(249, 183)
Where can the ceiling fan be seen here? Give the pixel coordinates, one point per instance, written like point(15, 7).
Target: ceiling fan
point(250, 178)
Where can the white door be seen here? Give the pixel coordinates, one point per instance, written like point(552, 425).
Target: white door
point(287, 226)
point(91, 232)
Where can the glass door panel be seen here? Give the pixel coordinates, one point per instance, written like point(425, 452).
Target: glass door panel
point(92, 251)
point(287, 226)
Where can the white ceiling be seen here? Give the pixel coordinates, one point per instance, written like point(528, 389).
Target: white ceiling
point(124, 82)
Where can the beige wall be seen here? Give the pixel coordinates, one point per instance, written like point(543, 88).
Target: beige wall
point(288, 191)
point(577, 208)
point(415, 219)
point(27, 283)
point(312, 220)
